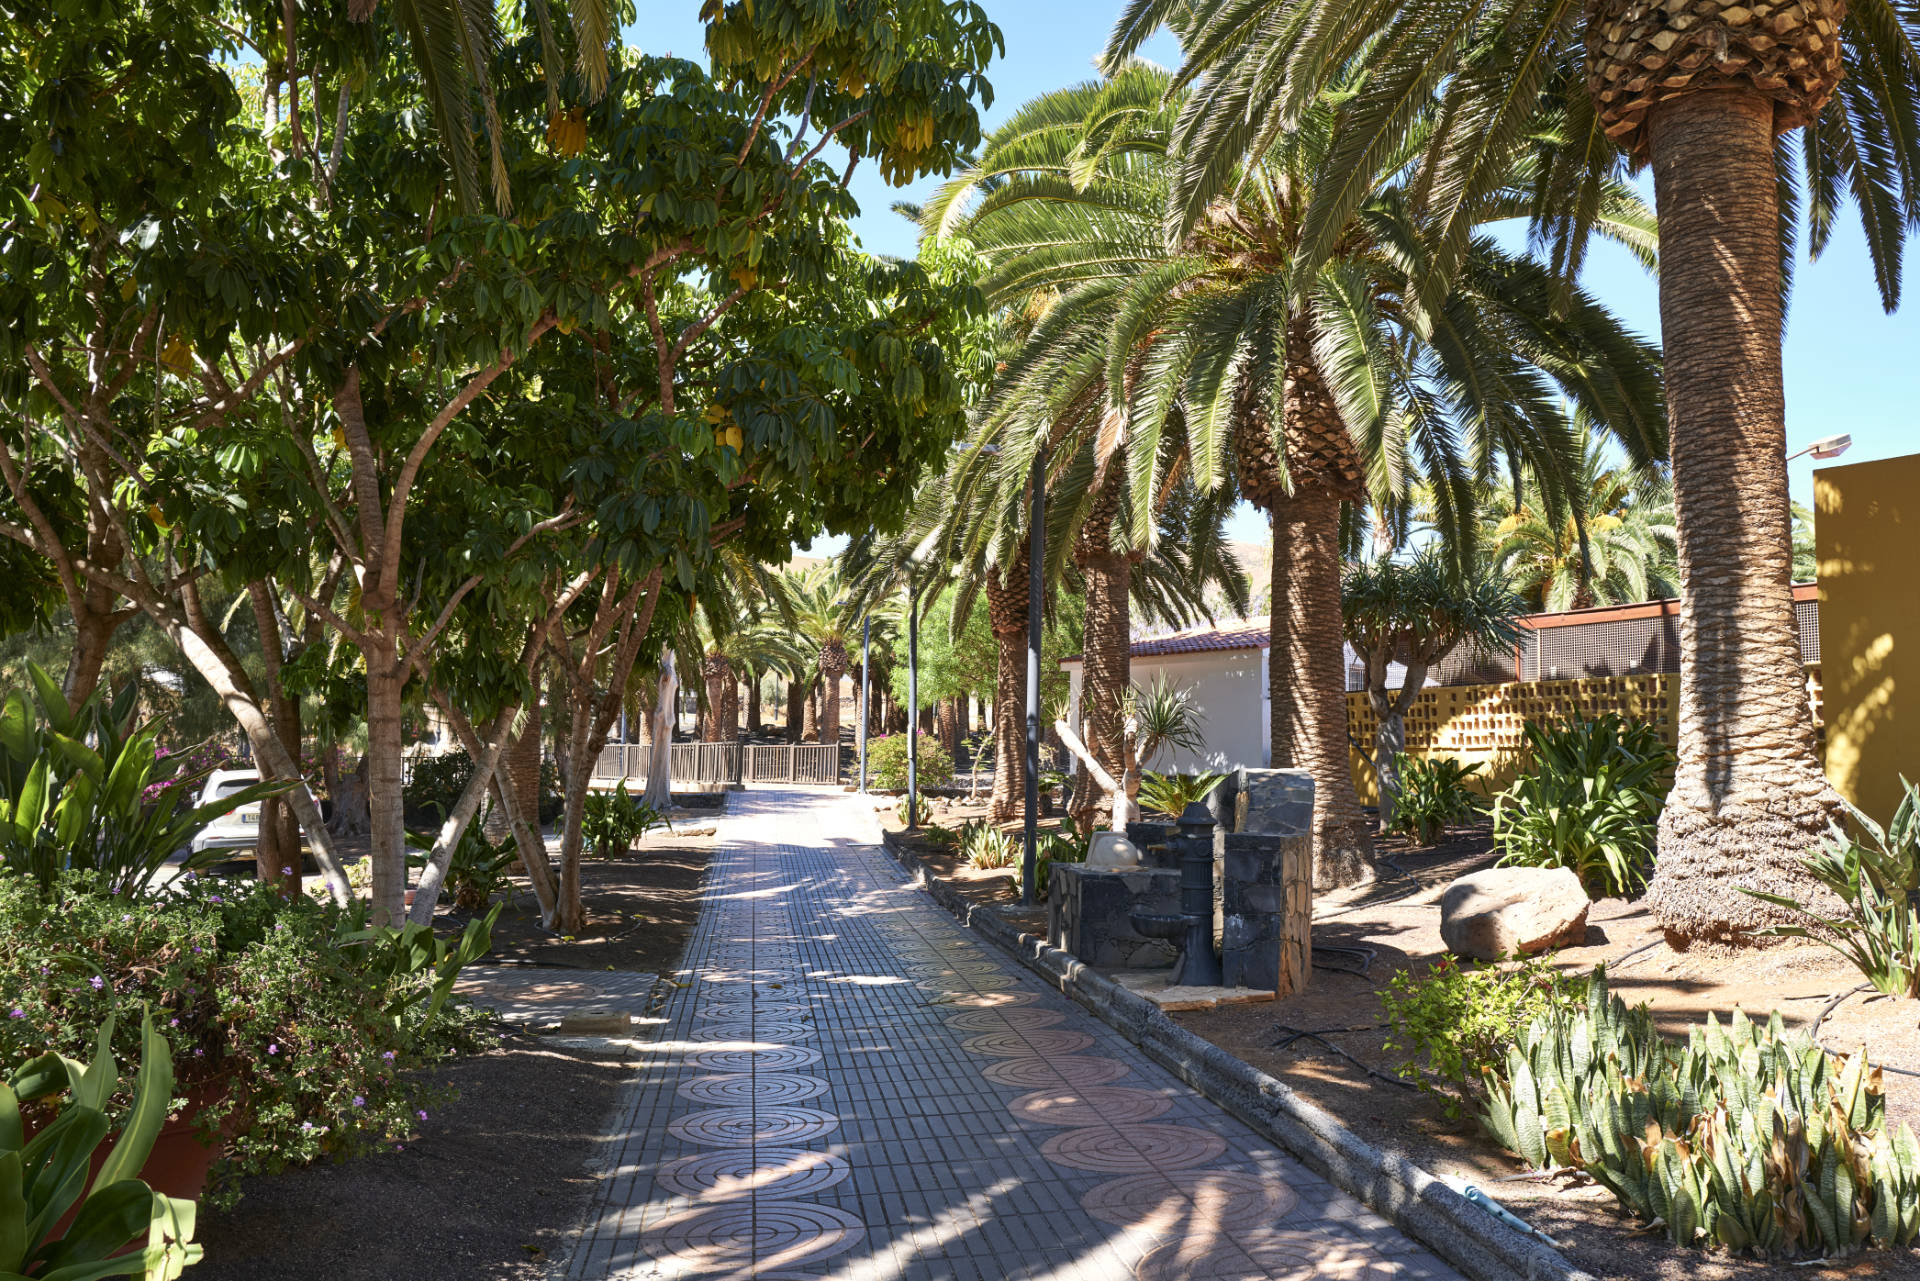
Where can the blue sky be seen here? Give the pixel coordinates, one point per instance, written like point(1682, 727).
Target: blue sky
point(1849, 366)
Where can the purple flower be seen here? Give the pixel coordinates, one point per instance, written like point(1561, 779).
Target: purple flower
point(215, 898)
point(196, 951)
point(273, 1049)
point(173, 1022)
point(17, 1013)
point(126, 918)
point(306, 1125)
point(286, 871)
point(422, 1114)
point(359, 1100)
point(97, 982)
point(388, 1056)
point(199, 1054)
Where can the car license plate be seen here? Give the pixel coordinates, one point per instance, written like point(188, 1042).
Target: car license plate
point(250, 817)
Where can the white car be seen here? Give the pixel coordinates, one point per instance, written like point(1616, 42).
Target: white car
point(236, 829)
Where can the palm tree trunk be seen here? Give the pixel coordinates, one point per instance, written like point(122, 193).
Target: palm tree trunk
point(1007, 617)
point(796, 708)
point(831, 677)
point(753, 703)
point(1107, 646)
point(1312, 661)
point(1748, 795)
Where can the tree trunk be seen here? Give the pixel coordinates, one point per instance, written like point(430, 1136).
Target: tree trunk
point(810, 723)
point(277, 859)
point(753, 703)
point(659, 789)
point(386, 786)
point(93, 633)
point(1107, 645)
point(796, 709)
point(730, 709)
point(1314, 665)
point(833, 667)
point(1748, 795)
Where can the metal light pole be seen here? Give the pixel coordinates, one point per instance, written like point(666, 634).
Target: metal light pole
point(913, 707)
point(866, 690)
point(1036, 576)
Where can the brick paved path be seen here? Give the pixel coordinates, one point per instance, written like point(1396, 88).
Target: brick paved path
point(849, 1085)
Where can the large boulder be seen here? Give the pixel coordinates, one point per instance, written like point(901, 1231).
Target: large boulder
point(1507, 911)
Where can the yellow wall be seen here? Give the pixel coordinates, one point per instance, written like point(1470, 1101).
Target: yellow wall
point(1486, 723)
point(1867, 539)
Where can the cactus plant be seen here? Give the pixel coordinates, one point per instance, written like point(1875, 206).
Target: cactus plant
point(1744, 1137)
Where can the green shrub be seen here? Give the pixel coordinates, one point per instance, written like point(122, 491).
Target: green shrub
point(614, 821)
point(887, 762)
point(1877, 877)
point(299, 1017)
point(478, 869)
point(1462, 1020)
point(1743, 1137)
point(434, 783)
point(1433, 796)
point(1587, 799)
point(120, 1226)
point(1170, 794)
point(984, 845)
point(87, 791)
point(1062, 845)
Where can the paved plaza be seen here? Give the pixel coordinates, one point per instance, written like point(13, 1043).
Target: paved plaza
point(849, 1085)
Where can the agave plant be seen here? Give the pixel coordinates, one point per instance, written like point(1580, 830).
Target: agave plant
point(1745, 1137)
point(984, 845)
point(45, 1177)
point(1587, 799)
point(1877, 876)
point(1170, 794)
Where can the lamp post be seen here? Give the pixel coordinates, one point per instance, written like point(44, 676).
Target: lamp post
point(1036, 576)
point(913, 706)
point(866, 689)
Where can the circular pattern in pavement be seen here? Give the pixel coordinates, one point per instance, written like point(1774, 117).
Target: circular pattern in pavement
point(774, 1058)
point(983, 1000)
point(748, 1009)
point(962, 986)
point(766, 1234)
point(762, 1031)
point(1133, 1149)
point(1012, 1045)
point(741, 1172)
point(1001, 1020)
point(1091, 1105)
point(1266, 1256)
point(1190, 1204)
point(954, 969)
point(739, 1126)
point(1067, 1069)
point(740, 1088)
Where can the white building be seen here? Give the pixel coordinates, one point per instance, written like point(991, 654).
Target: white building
point(1223, 668)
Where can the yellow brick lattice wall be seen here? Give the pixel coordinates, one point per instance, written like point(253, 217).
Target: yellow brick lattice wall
point(1485, 723)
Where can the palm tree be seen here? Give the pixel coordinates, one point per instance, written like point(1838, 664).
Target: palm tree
point(1738, 110)
point(1615, 547)
point(818, 604)
point(1312, 390)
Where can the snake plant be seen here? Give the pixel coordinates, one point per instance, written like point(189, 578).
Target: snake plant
point(1744, 1137)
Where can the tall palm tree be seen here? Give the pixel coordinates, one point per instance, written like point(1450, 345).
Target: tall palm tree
point(1614, 548)
point(818, 604)
point(1738, 110)
point(1312, 389)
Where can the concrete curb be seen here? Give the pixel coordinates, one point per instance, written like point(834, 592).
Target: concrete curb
point(1471, 1239)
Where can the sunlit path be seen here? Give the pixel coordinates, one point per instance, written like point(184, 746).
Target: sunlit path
point(850, 1086)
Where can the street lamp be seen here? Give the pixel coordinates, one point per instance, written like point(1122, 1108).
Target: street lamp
point(1831, 447)
point(866, 689)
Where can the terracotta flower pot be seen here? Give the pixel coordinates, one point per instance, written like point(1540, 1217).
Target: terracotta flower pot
point(180, 1162)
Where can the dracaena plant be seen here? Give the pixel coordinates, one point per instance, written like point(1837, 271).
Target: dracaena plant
point(82, 790)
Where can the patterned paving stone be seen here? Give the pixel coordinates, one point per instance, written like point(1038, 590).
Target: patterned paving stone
point(1018, 1045)
point(753, 1124)
point(1002, 1020)
point(741, 1089)
point(1091, 1105)
point(1067, 1069)
point(1187, 1203)
point(779, 1172)
point(848, 1085)
point(1129, 1148)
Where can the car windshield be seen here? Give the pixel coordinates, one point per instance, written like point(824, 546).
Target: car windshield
point(227, 787)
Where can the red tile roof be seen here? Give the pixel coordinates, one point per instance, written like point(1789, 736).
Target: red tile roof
point(1243, 633)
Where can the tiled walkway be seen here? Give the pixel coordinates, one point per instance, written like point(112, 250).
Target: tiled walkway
point(849, 1085)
